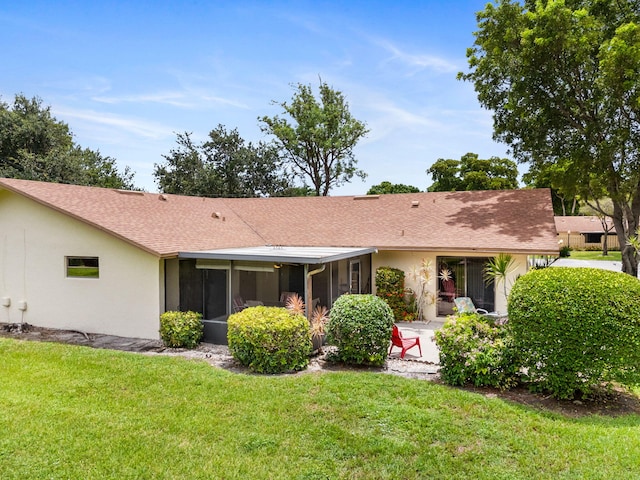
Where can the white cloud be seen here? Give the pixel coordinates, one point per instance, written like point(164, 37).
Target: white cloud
point(181, 99)
point(417, 62)
point(136, 126)
point(80, 84)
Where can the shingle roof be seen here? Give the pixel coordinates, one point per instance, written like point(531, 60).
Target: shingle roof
point(491, 221)
point(160, 224)
point(581, 224)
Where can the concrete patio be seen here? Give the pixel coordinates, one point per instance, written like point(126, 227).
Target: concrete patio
point(424, 330)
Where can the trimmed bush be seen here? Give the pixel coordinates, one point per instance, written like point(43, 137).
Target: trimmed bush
point(474, 350)
point(181, 329)
point(269, 339)
point(360, 326)
point(577, 328)
point(390, 287)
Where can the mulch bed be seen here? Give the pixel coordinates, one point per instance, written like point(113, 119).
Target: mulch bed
point(616, 403)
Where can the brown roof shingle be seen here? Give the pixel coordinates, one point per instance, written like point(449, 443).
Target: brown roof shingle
point(509, 220)
point(581, 224)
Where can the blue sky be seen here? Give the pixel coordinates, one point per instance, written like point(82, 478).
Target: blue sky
point(126, 76)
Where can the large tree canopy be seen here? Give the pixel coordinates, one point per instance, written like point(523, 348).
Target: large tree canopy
point(222, 166)
point(473, 173)
point(563, 81)
point(388, 187)
point(36, 146)
point(319, 143)
point(563, 193)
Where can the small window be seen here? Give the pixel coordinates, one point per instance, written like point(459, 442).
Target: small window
point(593, 237)
point(85, 267)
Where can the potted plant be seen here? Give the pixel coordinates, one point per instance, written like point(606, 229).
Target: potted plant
point(319, 319)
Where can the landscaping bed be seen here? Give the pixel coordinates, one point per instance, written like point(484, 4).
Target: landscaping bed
point(618, 402)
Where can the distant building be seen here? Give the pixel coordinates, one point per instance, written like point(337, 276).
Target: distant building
point(585, 232)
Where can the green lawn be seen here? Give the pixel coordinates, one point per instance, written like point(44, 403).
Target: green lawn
point(78, 413)
point(613, 256)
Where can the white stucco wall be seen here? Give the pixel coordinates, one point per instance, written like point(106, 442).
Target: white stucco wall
point(126, 300)
point(410, 261)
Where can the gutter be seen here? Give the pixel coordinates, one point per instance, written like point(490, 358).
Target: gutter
point(309, 287)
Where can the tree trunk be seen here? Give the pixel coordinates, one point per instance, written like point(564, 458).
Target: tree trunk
point(625, 229)
point(605, 228)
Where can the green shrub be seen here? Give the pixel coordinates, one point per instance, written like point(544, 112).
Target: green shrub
point(577, 328)
point(181, 329)
point(473, 349)
point(565, 251)
point(269, 339)
point(360, 326)
point(390, 287)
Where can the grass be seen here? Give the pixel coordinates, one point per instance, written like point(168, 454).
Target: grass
point(613, 256)
point(78, 413)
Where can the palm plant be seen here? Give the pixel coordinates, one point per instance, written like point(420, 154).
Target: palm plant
point(498, 269)
point(422, 276)
point(319, 319)
point(295, 304)
point(634, 242)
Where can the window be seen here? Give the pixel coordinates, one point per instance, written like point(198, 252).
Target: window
point(83, 267)
point(354, 276)
point(463, 277)
point(592, 237)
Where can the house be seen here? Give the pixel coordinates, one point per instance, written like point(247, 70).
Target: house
point(585, 232)
point(111, 261)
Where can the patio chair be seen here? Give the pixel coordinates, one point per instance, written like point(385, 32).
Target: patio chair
point(238, 304)
point(405, 343)
point(448, 292)
point(284, 297)
point(465, 305)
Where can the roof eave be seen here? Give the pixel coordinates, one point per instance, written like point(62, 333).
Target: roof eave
point(523, 251)
point(275, 258)
point(81, 219)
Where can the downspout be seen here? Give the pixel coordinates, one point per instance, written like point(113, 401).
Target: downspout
point(309, 287)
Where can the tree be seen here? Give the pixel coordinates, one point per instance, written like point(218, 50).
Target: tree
point(563, 192)
point(498, 270)
point(319, 143)
point(222, 166)
point(472, 173)
point(597, 208)
point(36, 146)
point(563, 81)
point(388, 187)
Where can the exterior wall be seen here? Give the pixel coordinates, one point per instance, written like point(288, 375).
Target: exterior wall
point(125, 300)
point(411, 261)
point(577, 241)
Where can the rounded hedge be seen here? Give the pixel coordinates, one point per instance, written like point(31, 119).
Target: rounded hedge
point(269, 339)
point(474, 349)
point(181, 329)
point(577, 328)
point(360, 326)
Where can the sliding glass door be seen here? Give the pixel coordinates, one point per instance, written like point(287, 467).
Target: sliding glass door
point(463, 277)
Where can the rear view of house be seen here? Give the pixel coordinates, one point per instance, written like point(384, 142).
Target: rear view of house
point(586, 232)
point(110, 261)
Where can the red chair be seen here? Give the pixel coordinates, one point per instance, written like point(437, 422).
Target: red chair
point(405, 343)
point(448, 292)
